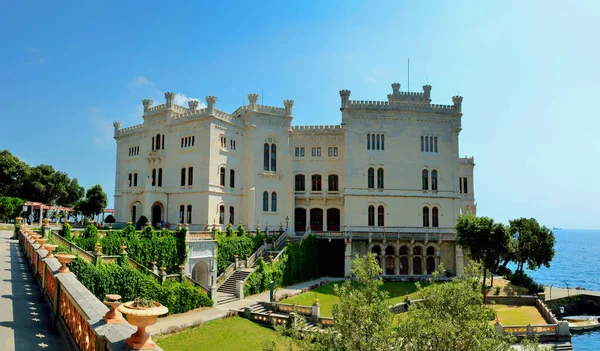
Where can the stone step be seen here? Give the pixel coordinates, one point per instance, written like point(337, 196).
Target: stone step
point(227, 300)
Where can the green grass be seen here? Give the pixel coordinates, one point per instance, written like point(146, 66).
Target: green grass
point(397, 291)
point(236, 334)
point(518, 315)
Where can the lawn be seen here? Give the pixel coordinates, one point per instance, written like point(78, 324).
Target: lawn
point(397, 292)
point(236, 334)
point(518, 315)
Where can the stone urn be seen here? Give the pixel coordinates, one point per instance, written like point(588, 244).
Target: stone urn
point(50, 248)
point(35, 237)
point(46, 221)
point(147, 224)
point(123, 247)
point(316, 301)
point(42, 242)
point(163, 270)
point(129, 223)
point(64, 259)
point(182, 269)
point(113, 316)
point(142, 317)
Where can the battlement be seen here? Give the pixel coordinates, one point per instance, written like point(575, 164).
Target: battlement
point(417, 107)
point(157, 108)
point(467, 160)
point(271, 109)
point(318, 128)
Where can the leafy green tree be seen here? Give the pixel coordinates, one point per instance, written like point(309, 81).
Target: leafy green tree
point(10, 207)
point(95, 201)
point(533, 244)
point(486, 241)
point(73, 192)
point(12, 174)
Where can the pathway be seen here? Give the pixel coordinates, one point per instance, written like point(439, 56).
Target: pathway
point(25, 319)
point(558, 293)
point(192, 318)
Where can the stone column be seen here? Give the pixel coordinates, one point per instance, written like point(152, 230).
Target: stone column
point(348, 259)
point(410, 262)
point(240, 289)
point(316, 312)
point(459, 260)
point(396, 264)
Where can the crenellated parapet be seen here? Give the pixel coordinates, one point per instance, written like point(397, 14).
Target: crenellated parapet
point(147, 104)
point(345, 95)
point(288, 106)
point(117, 126)
point(193, 105)
point(170, 97)
point(318, 128)
point(252, 101)
point(210, 103)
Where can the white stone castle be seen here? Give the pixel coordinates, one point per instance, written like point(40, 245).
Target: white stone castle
point(387, 180)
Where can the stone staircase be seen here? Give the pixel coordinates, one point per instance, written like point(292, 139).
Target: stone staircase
point(563, 347)
point(263, 308)
point(227, 292)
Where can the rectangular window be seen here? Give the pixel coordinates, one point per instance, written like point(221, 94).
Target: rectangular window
point(297, 152)
point(130, 175)
point(465, 185)
point(189, 214)
point(314, 152)
point(301, 152)
point(191, 176)
point(183, 177)
point(135, 179)
point(460, 184)
point(335, 152)
point(330, 152)
point(318, 152)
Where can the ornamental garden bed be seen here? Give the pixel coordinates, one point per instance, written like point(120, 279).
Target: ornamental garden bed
point(518, 315)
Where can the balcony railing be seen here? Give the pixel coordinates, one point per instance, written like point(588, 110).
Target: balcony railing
point(317, 194)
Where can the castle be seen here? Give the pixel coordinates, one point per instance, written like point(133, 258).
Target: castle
point(387, 180)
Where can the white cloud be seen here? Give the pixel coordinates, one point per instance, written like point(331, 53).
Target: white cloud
point(140, 82)
point(371, 80)
point(102, 127)
point(182, 100)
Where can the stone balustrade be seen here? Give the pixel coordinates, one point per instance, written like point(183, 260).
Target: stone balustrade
point(75, 312)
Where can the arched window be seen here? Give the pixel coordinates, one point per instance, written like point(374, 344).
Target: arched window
point(422, 143)
point(333, 182)
point(434, 217)
point(417, 251)
point(152, 143)
point(182, 142)
point(273, 202)
point(434, 180)
point(371, 178)
point(425, 179)
point(380, 178)
point(189, 214)
point(430, 251)
point(299, 182)
point(221, 214)
point(183, 177)
point(426, 144)
point(380, 216)
point(135, 179)
point(382, 142)
point(160, 177)
point(371, 215)
point(316, 182)
point(368, 141)
point(231, 215)
point(372, 141)
point(163, 141)
point(193, 140)
point(157, 141)
point(273, 158)
point(425, 216)
point(265, 201)
point(181, 210)
point(222, 176)
point(377, 141)
point(435, 144)
point(431, 144)
point(191, 176)
point(154, 177)
point(231, 179)
point(266, 157)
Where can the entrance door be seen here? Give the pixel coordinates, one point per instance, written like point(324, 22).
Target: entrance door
point(300, 220)
point(333, 219)
point(156, 215)
point(134, 214)
point(316, 220)
point(389, 265)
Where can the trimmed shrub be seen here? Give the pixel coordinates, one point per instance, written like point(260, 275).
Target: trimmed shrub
point(88, 239)
point(110, 219)
point(65, 231)
point(141, 223)
point(230, 245)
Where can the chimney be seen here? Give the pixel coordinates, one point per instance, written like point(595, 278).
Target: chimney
point(170, 97)
point(193, 104)
point(457, 100)
point(288, 106)
point(253, 99)
point(210, 103)
point(147, 104)
point(344, 94)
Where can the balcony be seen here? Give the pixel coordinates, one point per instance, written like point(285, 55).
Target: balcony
point(389, 233)
point(317, 194)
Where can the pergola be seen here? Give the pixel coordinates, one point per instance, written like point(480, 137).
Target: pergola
point(41, 207)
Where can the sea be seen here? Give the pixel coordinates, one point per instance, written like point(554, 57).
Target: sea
point(576, 263)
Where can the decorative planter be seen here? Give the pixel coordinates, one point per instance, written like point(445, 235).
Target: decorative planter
point(182, 269)
point(129, 223)
point(113, 316)
point(147, 224)
point(35, 237)
point(46, 221)
point(141, 318)
point(64, 259)
point(42, 242)
point(98, 249)
point(316, 302)
point(163, 270)
point(50, 248)
point(123, 247)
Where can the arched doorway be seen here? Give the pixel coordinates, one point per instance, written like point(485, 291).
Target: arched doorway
point(156, 214)
point(200, 273)
point(377, 251)
point(316, 219)
point(300, 220)
point(403, 260)
point(333, 219)
point(417, 260)
point(430, 260)
point(136, 211)
point(390, 262)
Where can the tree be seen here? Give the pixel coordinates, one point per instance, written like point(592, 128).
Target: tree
point(451, 317)
point(12, 174)
point(95, 201)
point(533, 244)
point(72, 194)
point(10, 207)
point(486, 241)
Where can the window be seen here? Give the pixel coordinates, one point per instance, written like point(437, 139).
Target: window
point(181, 210)
point(422, 143)
point(154, 177)
point(302, 152)
point(434, 184)
point(273, 202)
point(157, 141)
point(425, 179)
point(221, 214)
point(130, 176)
point(193, 140)
point(160, 177)
point(182, 142)
point(377, 141)
point(189, 214)
point(134, 151)
point(297, 152)
point(191, 176)
point(425, 216)
point(135, 175)
point(223, 141)
point(371, 216)
point(372, 141)
point(368, 141)
point(222, 176)
point(266, 157)
point(183, 177)
point(380, 178)
point(434, 217)
point(316, 152)
point(380, 216)
point(187, 141)
point(273, 158)
point(231, 215)
point(465, 185)
point(163, 141)
point(333, 182)
point(152, 143)
point(382, 142)
point(231, 178)
point(332, 151)
point(316, 182)
point(371, 178)
point(426, 144)
point(265, 201)
point(299, 182)
point(429, 143)
point(435, 144)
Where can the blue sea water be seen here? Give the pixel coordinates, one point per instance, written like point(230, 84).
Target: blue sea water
point(576, 263)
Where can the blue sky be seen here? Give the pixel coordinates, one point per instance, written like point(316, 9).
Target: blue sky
point(528, 72)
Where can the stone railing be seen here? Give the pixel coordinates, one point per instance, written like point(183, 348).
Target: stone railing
point(226, 274)
point(75, 312)
point(251, 261)
point(278, 244)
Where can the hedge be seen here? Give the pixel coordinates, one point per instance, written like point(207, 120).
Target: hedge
point(231, 243)
point(122, 279)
